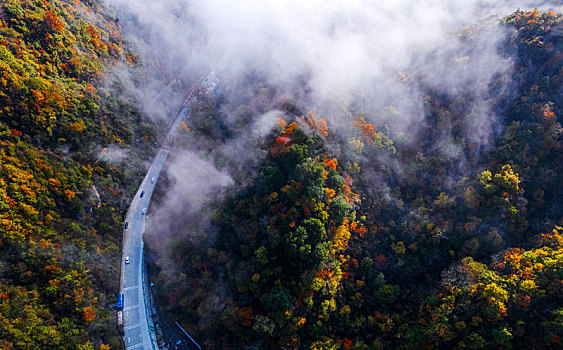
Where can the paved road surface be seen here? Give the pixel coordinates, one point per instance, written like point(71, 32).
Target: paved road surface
point(139, 332)
point(139, 329)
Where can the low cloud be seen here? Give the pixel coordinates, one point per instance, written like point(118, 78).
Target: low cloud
point(113, 154)
point(346, 52)
point(193, 182)
point(328, 56)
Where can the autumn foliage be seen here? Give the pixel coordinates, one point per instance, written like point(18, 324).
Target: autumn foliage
point(53, 239)
point(375, 238)
point(367, 130)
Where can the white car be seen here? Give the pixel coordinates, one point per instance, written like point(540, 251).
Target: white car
point(153, 180)
point(144, 211)
point(127, 259)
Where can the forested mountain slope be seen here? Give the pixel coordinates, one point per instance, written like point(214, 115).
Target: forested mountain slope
point(59, 246)
point(348, 236)
point(370, 239)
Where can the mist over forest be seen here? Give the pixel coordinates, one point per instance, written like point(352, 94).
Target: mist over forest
point(350, 174)
point(367, 175)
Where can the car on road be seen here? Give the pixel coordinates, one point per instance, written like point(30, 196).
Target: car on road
point(127, 259)
point(126, 225)
point(153, 179)
point(144, 211)
point(142, 194)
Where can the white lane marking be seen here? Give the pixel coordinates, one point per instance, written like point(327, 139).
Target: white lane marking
point(130, 288)
point(139, 345)
point(130, 307)
point(133, 326)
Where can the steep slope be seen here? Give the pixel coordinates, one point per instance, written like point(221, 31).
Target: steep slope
point(59, 246)
point(429, 240)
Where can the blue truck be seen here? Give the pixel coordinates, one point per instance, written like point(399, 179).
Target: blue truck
point(120, 302)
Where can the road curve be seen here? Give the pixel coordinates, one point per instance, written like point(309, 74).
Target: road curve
point(138, 326)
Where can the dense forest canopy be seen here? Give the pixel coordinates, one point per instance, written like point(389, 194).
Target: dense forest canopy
point(354, 236)
point(313, 231)
point(60, 120)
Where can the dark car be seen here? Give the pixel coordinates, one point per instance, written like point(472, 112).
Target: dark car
point(126, 224)
point(142, 194)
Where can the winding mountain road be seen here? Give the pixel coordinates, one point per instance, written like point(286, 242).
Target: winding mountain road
point(139, 330)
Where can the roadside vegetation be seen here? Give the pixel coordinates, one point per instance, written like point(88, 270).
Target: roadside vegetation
point(364, 239)
point(61, 125)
